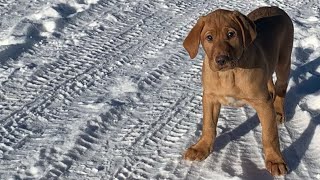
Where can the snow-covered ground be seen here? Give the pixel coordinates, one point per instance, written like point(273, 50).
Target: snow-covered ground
point(103, 89)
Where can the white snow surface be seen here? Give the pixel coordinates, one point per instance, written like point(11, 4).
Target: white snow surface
point(103, 89)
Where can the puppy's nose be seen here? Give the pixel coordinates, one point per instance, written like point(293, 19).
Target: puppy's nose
point(222, 59)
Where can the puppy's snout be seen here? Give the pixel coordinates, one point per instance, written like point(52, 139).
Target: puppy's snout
point(222, 59)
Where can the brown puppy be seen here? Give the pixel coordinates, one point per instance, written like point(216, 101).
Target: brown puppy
point(242, 53)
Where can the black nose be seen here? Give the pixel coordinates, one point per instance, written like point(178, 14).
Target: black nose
point(222, 59)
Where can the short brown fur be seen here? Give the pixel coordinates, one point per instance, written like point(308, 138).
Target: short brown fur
point(242, 53)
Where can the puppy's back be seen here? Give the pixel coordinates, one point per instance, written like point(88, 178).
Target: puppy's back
point(272, 23)
point(269, 18)
point(274, 35)
point(265, 12)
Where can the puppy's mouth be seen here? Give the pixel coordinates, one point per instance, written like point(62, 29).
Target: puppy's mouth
point(227, 65)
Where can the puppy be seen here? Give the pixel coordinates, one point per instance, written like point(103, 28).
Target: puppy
point(242, 53)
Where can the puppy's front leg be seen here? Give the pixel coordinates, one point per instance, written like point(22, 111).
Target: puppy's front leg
point(275, 163)
point(202, 148)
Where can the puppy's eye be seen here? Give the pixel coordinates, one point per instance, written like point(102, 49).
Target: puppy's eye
point(231, 34)
point(209, 38)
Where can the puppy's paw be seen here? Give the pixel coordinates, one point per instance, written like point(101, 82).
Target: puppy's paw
point(195, 153)
point(277, 168)
point(280, 118)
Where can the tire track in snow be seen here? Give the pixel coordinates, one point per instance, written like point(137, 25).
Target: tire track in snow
point(125, 121)
point(64, 78)
point(59, 69)
point(114, 113)
point(131, 134)
point(61, 65)
point(156, 133)
point(45, 100)
point(87, 140)
point(11, 125)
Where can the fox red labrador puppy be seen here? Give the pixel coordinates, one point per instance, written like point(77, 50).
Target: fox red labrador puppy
point(242, 53)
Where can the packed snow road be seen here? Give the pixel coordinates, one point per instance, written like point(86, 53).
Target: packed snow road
point(104, 90)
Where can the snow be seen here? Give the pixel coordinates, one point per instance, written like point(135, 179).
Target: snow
point(11, 40)
point(45, 13)
point(34, 171)
point(311, 42)
point(103, 89)
point(312, 101)
point(122, 87)
point(110, 17)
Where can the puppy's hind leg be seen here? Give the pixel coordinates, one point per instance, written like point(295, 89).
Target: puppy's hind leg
point(282, 73)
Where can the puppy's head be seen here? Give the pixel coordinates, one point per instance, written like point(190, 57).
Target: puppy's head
point(224, 36)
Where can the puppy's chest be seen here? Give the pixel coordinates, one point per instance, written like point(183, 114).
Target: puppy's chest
point(229, 97)
point(227, 92)
point(231, 101)
point(226, 88)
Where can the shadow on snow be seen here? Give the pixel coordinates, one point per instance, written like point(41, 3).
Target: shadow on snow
point(33, 31)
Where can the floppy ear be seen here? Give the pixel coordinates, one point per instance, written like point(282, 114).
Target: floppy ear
point(248, 28)
point(192, 41)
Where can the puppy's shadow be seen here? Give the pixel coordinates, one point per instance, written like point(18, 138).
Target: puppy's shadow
point(252, 172)
point(244, 128)
point(307, 81)
point(14, 51)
